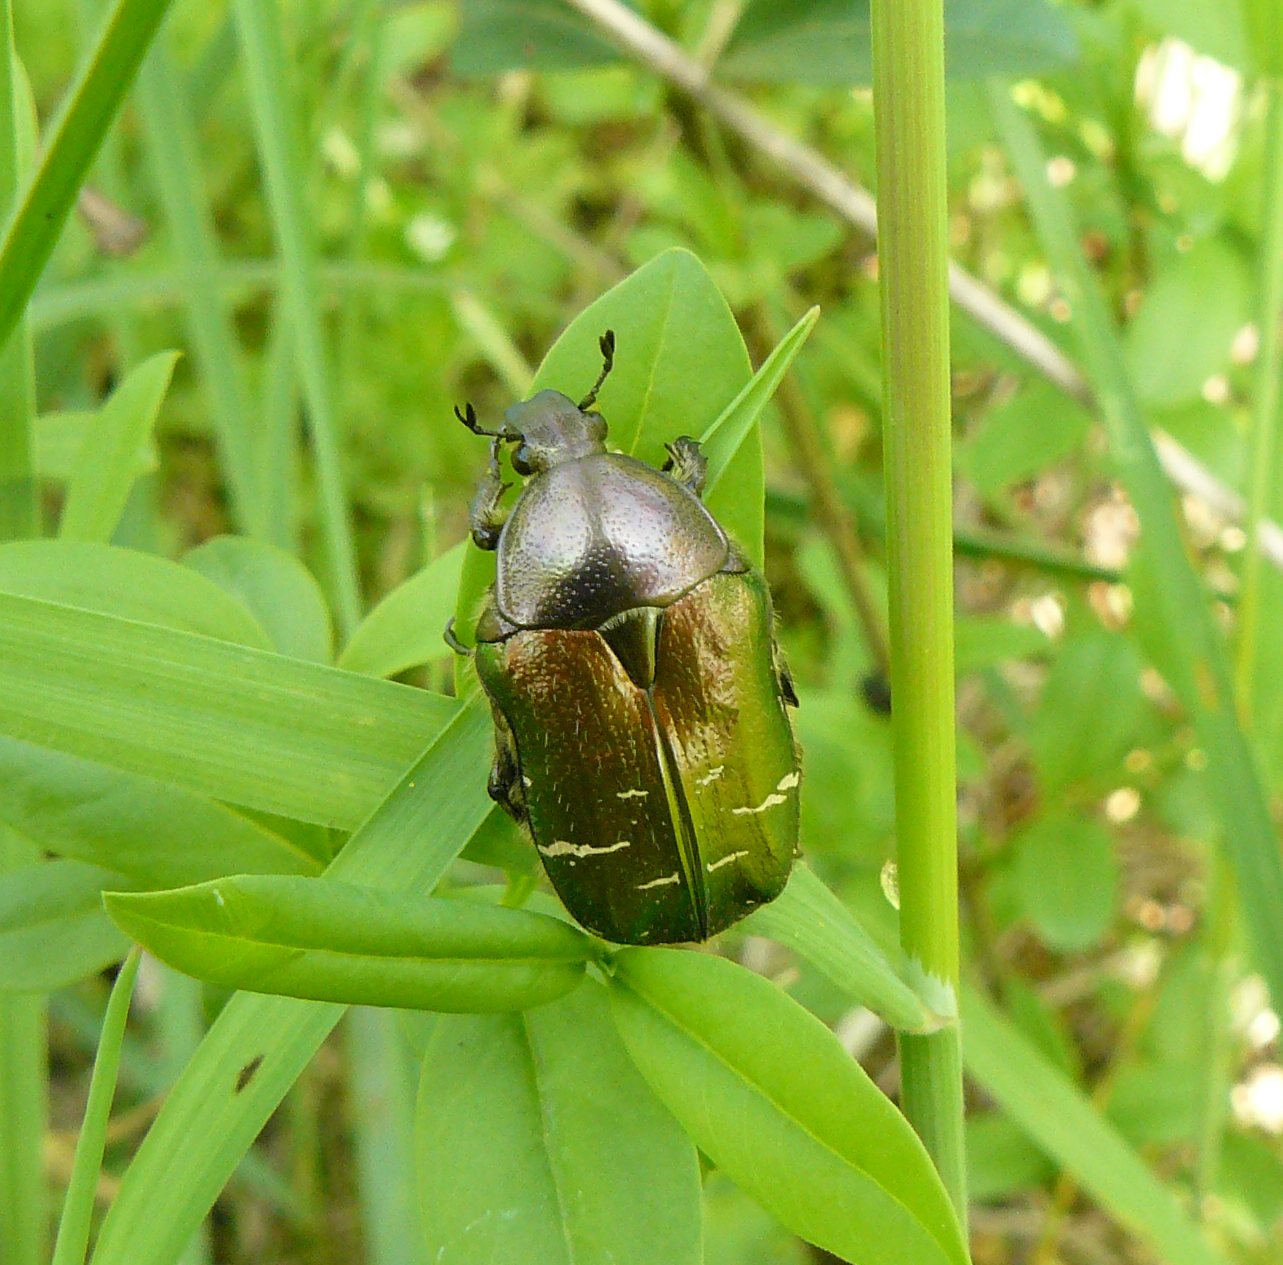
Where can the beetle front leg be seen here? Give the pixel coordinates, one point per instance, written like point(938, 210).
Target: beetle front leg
point(687, 464)
point(486, 515)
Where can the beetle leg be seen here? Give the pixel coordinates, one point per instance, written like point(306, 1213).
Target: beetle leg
point(686, 463)
point(505, 786)
point(783, 675)
point(451, 639)
point(486, 516)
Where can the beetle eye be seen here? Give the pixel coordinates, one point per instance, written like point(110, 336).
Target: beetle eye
point(521, 461)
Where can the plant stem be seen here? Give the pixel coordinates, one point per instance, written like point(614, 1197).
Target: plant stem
point(908, 95)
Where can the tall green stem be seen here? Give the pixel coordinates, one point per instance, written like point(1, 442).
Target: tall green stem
point(908, 95)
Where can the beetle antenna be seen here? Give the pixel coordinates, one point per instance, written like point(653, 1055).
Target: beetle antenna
point(607, 344)
point(469, 418)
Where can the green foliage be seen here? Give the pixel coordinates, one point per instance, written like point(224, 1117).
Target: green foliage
point(351, 225)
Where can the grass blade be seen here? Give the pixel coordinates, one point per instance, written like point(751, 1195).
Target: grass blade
point(175, 159)
point(76, 136)
point(259, 26)
point(18, 505)
point(1069, 1128)
point(1183, 638)
point(73, 1229)
point(184, 709)
point(23, 1102)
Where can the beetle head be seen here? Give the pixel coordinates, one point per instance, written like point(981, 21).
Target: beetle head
point(549, 429)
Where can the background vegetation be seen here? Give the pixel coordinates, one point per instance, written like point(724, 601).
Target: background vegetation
point(348, 217)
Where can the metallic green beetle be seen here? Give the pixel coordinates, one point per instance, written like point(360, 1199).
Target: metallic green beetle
point(638, 695)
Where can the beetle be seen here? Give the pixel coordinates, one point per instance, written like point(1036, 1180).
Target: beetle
point(639, 698)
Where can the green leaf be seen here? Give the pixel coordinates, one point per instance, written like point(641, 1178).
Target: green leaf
point(793, 1120)
point(275, 587)
point(538, 1141)
point(811, 920)
point(1067, 878)
point(499, 35)
point(830, 42)
point(53, 930)
point(1212, 27)
point(1001, 1161)
point(985, 641)
point(1263, 29)
point(104, 471)
point(723, 441)
point(680, 358)
point(60, 436)
point(1090, 708)
point(1181, 334)
point(128, 584)
point(259, 1045)
point(1020, 438)
point(74, 140)
point(331, 941)
point(185, 709)
point(155, 834)
point(680, 363)
point(1065, 1124)
point(404, 629)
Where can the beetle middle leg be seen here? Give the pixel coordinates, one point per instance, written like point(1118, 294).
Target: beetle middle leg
point(486, 515)
point(505, 786)
point(687, 463)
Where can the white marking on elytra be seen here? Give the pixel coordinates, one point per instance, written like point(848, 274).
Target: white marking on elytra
point(788, 781)
point(562, 848)
point(635, 793)
point(726, 860)
point(526, 782)
point(712, 776)
point(769, 802)
point(660, 882)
